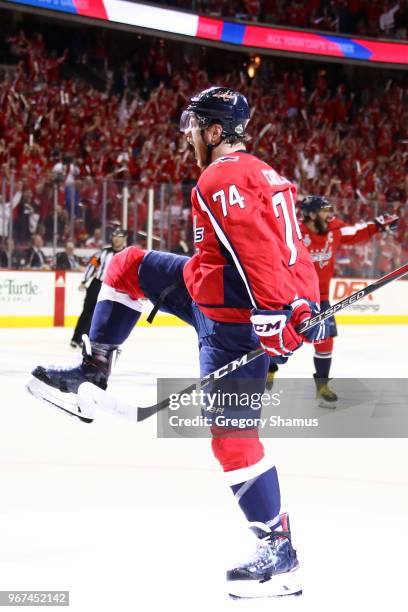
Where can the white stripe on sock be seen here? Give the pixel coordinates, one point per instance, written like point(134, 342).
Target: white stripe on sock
point(109, 293)
point(248, 473)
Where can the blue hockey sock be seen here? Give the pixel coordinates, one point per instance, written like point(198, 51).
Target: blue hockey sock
point(115, 316)
point(322, 362)
point(256, 489)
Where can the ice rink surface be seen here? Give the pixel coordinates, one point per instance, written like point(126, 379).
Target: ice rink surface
point(129, 522)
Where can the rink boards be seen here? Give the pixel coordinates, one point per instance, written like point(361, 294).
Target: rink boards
point(52, 299)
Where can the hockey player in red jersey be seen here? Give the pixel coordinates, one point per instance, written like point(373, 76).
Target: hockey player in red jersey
point(323, 234)
point(250, 283)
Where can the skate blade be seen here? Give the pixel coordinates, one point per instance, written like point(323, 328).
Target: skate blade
point(280, 585)
point(67, 402)
point(322, 403)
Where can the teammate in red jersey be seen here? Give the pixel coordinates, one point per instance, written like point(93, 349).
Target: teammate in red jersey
point(323, 235)
point(250, 283)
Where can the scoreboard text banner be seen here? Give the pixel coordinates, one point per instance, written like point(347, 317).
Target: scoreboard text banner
point(261, 37)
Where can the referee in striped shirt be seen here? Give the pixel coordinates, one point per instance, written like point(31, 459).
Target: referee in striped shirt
point(96, 271)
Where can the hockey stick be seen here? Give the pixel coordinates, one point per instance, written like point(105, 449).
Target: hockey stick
point(91, 397)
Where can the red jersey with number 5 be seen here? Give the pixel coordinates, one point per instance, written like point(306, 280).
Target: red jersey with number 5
point(250, 252)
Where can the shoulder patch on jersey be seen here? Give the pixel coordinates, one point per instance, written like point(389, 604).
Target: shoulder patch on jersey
point(306, 240)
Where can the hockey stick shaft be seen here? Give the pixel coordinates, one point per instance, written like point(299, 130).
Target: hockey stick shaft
point(232, 366)
point(329, 312)
point(102, 399)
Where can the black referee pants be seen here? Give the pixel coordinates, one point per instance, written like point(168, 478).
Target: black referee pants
point(84, 322)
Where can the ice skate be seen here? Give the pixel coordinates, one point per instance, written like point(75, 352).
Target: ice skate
point(325, 396)
point(59, 386)
point(272, 570)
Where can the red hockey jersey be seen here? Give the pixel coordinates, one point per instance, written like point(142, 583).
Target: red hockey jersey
point(249, 246)
point(323, 247)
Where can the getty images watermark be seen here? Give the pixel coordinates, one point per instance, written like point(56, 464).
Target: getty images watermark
point(222, 409)
point(375, 408)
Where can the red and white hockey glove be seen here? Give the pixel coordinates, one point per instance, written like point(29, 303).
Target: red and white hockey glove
point(276, 334)
point(276, 328)
point(387, 223)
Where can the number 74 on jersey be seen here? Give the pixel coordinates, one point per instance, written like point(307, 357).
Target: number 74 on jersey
point(278, 200)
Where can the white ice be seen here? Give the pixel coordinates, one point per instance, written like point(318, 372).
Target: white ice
point(126, 521)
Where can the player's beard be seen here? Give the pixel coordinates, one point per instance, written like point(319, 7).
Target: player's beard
point(203, 152)
point(320, 225)
point(200, 156)
point(200, 152)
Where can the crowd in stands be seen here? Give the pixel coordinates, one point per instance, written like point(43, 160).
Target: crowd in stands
point(358, 17)
point(67, 144)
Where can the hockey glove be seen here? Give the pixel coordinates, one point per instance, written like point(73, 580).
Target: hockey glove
point(276, 328)
point(387, 223)
point(303, 309)
point(276, 333)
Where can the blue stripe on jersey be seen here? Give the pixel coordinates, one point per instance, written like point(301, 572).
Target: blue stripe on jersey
point(221, 235)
